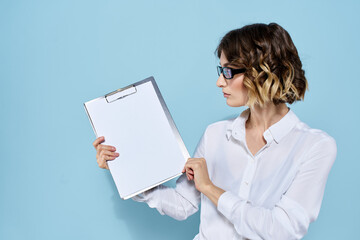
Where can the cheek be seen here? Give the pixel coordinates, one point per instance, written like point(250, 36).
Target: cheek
point(238, 85)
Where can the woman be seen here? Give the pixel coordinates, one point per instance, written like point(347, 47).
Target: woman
point(261, 175)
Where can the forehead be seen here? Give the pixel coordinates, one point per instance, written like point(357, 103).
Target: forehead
point(223, 60)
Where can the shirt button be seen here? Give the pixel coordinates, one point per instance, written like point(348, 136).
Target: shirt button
point(246, 183)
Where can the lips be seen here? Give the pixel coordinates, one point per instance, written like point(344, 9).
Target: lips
point(226, 95)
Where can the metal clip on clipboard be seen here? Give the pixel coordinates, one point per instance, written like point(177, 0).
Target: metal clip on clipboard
point(120, 93)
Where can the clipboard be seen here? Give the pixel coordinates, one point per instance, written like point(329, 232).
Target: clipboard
point(136, 121)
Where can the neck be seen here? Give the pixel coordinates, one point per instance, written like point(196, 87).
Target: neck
point(261, 118)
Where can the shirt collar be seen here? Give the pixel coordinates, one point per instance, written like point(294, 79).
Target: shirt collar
point(284, 126)
point(275, 132)
point(238, 125)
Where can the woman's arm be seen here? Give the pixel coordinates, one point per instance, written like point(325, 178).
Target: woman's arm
point(180, 202)
point(196, 169)
point(291, 216)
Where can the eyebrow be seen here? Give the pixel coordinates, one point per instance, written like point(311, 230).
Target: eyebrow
point(225, 65)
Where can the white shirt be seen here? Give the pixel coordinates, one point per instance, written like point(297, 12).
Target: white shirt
point(275, 194)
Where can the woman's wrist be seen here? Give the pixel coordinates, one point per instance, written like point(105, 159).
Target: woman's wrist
point(213, 193)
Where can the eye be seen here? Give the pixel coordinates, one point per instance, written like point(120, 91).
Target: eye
point(227, 72)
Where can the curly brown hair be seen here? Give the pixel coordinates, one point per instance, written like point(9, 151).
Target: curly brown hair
point(273, 68)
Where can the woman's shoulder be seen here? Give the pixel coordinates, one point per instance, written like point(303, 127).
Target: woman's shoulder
point(221, 123)
point(228, 123)
point(314, 135)
point(220, 126)
point(318, 144)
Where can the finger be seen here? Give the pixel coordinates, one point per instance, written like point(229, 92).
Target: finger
point(191, 177)
point(101, 147)
point(98, 141)
point(103, 160)
point(111, 154)
point(190, 169)
point(186, 165)
point(102, 164)
point(107, 157)
point(192, 164)
point(186, 173)
point(105, 166)
point(190, 160)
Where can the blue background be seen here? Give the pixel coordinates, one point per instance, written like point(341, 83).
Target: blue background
point(56, 55)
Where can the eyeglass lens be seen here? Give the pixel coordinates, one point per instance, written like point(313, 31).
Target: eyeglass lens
point(226, 71)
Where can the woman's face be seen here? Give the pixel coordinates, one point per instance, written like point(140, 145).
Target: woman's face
point(234, 90)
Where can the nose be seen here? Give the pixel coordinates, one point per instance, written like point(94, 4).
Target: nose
point(221, 82)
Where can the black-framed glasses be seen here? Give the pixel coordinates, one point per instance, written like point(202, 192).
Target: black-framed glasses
point(229, 72)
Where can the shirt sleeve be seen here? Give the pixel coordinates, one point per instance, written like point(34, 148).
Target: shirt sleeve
point(179, 202)
point(298, 207)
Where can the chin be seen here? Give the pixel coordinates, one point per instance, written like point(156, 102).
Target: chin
point(235, 104)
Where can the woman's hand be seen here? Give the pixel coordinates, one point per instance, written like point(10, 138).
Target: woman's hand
point(196, 169)
point(104, 152)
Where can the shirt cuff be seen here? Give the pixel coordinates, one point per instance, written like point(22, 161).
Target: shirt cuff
point(229, 203)
point(144, 196)
point(139, 198)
